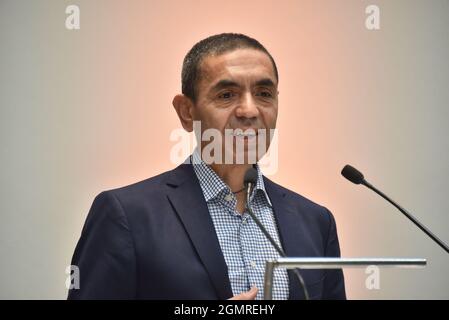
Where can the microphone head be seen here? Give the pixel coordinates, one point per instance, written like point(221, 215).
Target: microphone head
point(250, 177)
point(352, 174)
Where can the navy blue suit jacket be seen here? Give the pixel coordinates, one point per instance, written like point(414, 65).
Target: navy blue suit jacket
point(155, 240)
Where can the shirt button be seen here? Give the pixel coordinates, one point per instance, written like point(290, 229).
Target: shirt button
point(253, 264)
point(228, 197)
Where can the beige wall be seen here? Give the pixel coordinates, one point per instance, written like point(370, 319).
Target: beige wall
point(88, 110)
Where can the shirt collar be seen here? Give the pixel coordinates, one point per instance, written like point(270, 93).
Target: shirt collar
point(212, 185)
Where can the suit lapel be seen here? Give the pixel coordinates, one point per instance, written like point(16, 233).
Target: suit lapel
point(289, 230)
point(187, 199)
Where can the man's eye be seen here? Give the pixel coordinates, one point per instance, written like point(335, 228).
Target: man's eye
point(226, 95)
point(265, 94)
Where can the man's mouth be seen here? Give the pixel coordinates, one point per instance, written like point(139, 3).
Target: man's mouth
point(245, 134)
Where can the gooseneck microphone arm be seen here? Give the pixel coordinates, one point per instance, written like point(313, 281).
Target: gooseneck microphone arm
point(355, 176)
point(249, 183)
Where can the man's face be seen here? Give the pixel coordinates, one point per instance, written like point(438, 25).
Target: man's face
point(237, 90)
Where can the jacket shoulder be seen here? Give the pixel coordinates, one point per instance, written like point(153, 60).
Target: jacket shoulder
point(302, 204)
point(150, 192)
point(293, 195)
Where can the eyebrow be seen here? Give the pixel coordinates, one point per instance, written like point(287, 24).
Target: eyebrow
point(225, 83)
point(267, 82)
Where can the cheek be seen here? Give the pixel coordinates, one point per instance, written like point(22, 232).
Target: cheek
point(220, 118)
point(270, 117)
point(217, 119)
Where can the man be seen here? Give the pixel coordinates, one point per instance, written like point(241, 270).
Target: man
point(186, 234)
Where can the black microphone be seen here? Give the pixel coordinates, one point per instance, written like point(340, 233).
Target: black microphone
point(249, 181)
point(355, 176)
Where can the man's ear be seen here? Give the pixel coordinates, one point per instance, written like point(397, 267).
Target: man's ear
point(184, 108)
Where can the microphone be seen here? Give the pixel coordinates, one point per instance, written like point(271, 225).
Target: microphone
point(249, 181)
point(355, 176)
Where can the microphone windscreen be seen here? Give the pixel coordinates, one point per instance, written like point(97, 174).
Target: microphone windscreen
point(352, 174)
point(250, 177)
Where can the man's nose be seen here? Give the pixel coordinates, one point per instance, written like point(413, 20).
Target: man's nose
point(247, 107)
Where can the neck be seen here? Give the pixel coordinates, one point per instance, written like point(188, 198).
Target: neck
point(231, 174)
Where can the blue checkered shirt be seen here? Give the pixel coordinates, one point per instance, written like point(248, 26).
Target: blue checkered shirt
point(244, 246)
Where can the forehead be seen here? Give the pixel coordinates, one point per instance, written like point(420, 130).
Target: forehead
point(241, 65)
